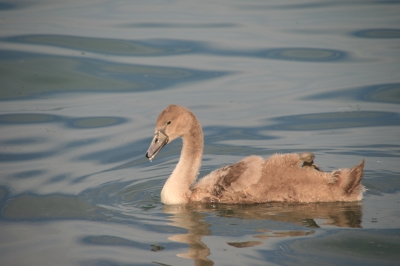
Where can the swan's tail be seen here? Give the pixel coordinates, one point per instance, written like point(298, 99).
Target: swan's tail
point(350, 180)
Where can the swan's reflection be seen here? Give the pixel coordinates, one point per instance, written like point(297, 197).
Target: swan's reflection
point(193, 221)
point(315, 215)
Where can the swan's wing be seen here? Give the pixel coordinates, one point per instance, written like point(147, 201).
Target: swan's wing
point(229, 183)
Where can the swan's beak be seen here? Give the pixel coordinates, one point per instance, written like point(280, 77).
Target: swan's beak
point(159, 141)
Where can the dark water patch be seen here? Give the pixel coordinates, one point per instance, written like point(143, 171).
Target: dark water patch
point(387, 92)
point(96, 122)
point(29, 174)
point(336, 120)
point(110, 262)
point(139, 161)
point(381, 181)
point(15, 5)
point(22, 141)
point(238, 150)
point(378, 33)
point(299, 6)
point(112, 202)
point(217, 133)
point(57, 178)
point(308, 5)
point(81, 143)
point(181, 25)
point(135, 195)
point(98, 45)
point(33, 207)
point(70, 122)
point(25, 75)
point(306, 54)
point(244, 244)
point(108, 240)
point(396, 2)
point(4, 6)
point(117, 154)
point(27, 118)
point(319, 5)
point(388, 1)
point(293, 54)
point(167, 47)
point(3, 193)
point(93, 123)
point(104, 203)
point(268, 6)
point(14, 148)
point(271, 234)
point(27, 156)
point(344, 247)
point(374, 150)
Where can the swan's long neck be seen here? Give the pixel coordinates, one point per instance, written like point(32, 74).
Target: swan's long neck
point(177, 188)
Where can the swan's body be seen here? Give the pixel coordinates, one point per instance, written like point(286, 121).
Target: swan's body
point(280, 177)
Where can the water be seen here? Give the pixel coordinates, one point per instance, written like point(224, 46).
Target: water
point(82, 83)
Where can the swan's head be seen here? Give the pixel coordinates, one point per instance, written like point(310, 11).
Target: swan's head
point(174, 122)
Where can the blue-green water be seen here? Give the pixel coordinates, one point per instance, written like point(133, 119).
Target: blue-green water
point(81, 86)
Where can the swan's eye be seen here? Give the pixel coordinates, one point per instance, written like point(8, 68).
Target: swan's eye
point(169, 122)
point(156, 140)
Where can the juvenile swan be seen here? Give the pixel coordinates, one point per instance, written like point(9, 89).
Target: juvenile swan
point(281, 177)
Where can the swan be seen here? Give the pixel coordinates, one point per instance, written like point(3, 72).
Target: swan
point(280, 178)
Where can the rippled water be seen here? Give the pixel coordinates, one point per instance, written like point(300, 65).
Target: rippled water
point(82, 83)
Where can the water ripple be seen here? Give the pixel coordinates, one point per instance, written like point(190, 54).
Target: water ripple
point(336, 120)
point(167, 47)
point(386, 92)
point(378, 33)
point(30, 74)
point(26, 118)
point(180, 25)
point(29, 174)
point(98, 45)
point(109, 240)
point(16, 149)
point(306, 54)
point(75, 123)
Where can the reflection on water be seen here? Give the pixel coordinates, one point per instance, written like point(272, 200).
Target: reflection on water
point(197, 228)
point(192, 218)
point(268, 234)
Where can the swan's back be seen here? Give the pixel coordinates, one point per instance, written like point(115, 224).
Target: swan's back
point(279, 178)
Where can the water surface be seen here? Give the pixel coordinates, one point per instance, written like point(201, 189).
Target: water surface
point(82, 83)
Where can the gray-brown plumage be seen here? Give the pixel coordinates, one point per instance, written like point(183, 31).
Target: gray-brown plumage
point(281, 177)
